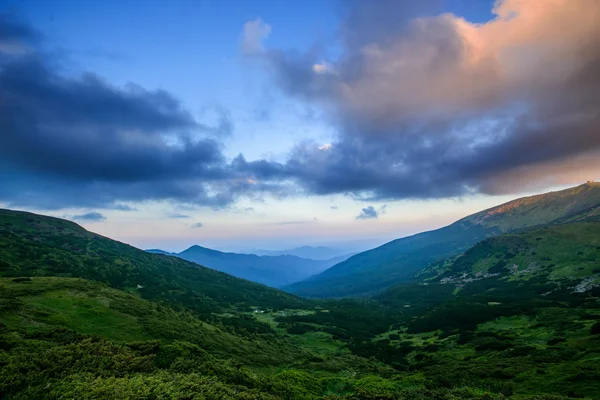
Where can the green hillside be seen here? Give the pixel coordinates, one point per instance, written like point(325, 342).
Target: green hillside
point(33, 245)
point(91, 308)
point(73, 325)
point(397, 261)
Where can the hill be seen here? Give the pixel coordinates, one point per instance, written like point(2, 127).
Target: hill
point(472, 327)
point(274, 271)
point(34, 245)
point(397, 261)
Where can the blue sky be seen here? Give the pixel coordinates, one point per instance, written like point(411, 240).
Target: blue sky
point(328, 93)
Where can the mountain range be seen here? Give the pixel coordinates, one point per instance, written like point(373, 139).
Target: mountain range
point(274, 271)
point(515, 315)
point(397, 261)
point(310, 252)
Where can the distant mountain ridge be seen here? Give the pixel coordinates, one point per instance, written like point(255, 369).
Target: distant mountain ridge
point(397, 261)
point(310, 252)
point(274, 271)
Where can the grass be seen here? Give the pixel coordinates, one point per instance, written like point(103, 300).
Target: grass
point(318, 343)
point(81, 306)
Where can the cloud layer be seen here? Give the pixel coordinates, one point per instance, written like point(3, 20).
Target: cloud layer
point(437, 106)
point(426, 107)
point(80, 141)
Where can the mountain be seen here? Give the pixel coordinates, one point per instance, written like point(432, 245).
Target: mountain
point(274, 271)
point(310, 252)
point(35, 245)
point(86, 317)
point(397, 261)
point(546, 263)
point(158, 251)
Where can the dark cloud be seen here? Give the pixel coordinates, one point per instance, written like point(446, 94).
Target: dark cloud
point(15, 35)
point(90, 217)
point(371, 213)
point(80, 141)
point(291, 222)
point(436, 106)
point(197, 225)
point(123, 207)
point(178, 216)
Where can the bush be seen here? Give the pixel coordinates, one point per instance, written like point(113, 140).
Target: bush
point(595, 330)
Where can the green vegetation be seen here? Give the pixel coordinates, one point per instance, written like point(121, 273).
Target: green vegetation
point(397, 261)
point(84, 317)
point(32, 245)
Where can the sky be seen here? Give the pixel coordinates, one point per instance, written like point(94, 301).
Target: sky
point(276, 123)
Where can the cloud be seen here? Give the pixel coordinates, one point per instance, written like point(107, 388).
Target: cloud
point(429, 105)
point(426, 105)
point(178, 216)
point(123, 207)
point(90, 217)
point(254, 33)
point(291, 222)
point(197, 225)
point(16, 37)
point(223, 126)
point(78, 141)
point(333, 207)
point(371, 213)
point(322, 68)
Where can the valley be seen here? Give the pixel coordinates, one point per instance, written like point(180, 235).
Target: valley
point(515, 315)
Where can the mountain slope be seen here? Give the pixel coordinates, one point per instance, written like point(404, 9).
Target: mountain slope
point(397, 261)
point(546, 263)
point(275, 271)
point(92, 308)
point(35, 245)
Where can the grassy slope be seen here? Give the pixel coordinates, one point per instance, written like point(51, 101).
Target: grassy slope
point(397, 261)
point(567, 253)
point(33, 245)
point(91, 308)
point(514, 272)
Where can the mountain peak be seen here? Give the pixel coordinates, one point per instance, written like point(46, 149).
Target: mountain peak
point(197, 248)
point(540, 209)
